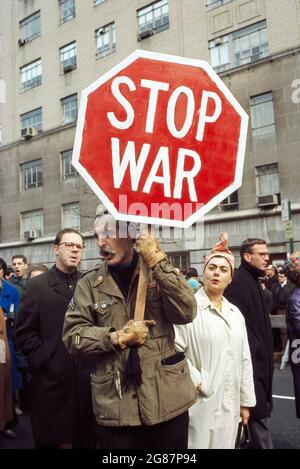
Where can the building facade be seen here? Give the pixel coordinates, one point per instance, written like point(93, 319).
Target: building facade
point(50, 51)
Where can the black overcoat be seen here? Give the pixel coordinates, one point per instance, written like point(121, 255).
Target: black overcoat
point(61, 408)
point(246, 293)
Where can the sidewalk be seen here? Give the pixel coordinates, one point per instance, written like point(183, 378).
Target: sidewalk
point(24, 441)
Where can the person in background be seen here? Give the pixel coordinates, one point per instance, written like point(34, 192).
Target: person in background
point(36, 269)
point(9, 302)
point(9, 273)
point(19, 266)
point(192, 279)
point(246, 293)
point(61, 408)
point(267, 294)
point(281, 294)
point(141, 387)
point(217, 349)
point(272, 276)
point(6, 394)
point(292, 270)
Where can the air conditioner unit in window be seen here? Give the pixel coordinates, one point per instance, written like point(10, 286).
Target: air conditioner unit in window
point(28, 132)
point(145, 34)
point(69, 68)
point(21, 42)
point(267, 200)
point(32, 234)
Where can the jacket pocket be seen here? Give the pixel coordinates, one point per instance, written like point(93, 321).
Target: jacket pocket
point(176, 389)
point(104, 397)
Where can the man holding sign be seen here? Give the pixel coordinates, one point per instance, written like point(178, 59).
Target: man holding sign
point(151, 411)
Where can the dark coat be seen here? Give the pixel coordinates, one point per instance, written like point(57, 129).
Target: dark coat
point(61, 408)
point(246, 293)
point(293, 325)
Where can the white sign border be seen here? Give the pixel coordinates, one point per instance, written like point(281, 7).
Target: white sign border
point(222, 87)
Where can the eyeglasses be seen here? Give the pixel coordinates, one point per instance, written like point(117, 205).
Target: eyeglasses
point(71, 246)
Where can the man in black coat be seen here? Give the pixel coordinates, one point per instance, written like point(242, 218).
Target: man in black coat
point(246, 293)
point(61, 408)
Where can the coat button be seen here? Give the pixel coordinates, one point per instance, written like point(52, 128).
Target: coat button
point(134, 396)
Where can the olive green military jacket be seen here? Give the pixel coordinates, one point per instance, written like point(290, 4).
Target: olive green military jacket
point(98, 308)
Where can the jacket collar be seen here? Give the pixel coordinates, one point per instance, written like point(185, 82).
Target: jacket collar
point(106, 283)
point(204, 302)
point(56, 282)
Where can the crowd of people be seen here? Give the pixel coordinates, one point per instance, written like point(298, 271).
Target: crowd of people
point(193, 366)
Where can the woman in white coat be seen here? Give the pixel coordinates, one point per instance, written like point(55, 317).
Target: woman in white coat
point(216, 346)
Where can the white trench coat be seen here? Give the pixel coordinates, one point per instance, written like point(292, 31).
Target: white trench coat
point(217, 349)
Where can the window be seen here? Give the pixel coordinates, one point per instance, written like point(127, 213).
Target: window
point(106, 40)
point(250, 43)
point(67, 10)
point(241, 47)
point(211, 4)
point(68, 57)
point(71, 216)
point(30, 27)
point(153, 18)
point(98, 2)
point(67, 170)
point(31, 175)
point(33, 220)
point(181, 260)
point(31, 75)
point(219, 53)
point(267, 180)
point(69, 108)
point(231, 202)
point(262, 114)
point(32, 119)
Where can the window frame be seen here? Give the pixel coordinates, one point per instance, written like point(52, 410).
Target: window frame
point(31, 114)
point(111, 46)
point(35, 177)
point(26, 69)
point(69, 207)
point(71, 60)
point(151, 10)
point(29, 21)
point(32, 226)
point(71, 173)
point(72, 98)
point(259, 176)
point(64, 19)
point(268, 129)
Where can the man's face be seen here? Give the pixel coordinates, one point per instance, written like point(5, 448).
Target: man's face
point(113, 249)
point(69, 252)
point(270, 271)
point(281, 278)
point(19, 267)
point(259, 257)
point(217, 275)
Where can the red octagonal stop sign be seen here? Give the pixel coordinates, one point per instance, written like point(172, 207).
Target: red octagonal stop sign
point(160, 139)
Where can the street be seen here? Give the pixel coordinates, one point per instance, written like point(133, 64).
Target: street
point(284, 424)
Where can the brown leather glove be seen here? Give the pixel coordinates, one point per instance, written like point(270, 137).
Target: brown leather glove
point(134, 333)
point(150, 250)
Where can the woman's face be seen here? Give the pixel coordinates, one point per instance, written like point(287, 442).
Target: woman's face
point(217, 275)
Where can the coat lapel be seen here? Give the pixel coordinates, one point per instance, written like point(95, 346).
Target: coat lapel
point(58, 285)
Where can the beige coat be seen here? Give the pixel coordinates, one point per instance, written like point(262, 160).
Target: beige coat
point(98, 307)
point(6, 403)
point(216, 346)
